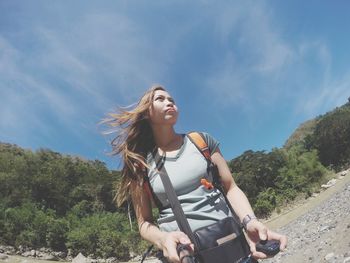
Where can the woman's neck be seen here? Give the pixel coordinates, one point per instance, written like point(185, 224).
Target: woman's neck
point(167, 139)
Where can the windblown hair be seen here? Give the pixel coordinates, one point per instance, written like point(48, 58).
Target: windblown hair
point(133, 142)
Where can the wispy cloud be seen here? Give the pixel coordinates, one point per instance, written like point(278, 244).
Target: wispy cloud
point(251, 33)
point(68, 73)
point(273, 69)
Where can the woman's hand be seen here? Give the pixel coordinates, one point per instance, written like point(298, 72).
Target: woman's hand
point(258, 231)
point(169, 243)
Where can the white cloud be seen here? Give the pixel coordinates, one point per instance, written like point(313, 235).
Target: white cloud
point(262, 68)
point(256, 52)
point(332, 93)
point(70, 75)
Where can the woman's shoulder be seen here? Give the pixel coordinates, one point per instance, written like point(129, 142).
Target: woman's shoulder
point(206, 136)
point(209, 139)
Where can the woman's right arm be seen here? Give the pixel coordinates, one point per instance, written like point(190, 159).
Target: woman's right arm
point(166, 241)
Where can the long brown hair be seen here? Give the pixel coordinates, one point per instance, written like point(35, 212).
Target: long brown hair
point(133, 142)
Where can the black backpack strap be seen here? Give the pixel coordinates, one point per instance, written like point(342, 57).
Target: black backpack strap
point(180, 217)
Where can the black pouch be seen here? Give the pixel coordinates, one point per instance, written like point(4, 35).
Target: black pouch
point(221, 242)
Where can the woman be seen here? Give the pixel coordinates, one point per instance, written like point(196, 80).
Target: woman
point(147, 138)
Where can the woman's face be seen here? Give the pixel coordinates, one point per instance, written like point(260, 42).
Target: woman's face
point(163, 109)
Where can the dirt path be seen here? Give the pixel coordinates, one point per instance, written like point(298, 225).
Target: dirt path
point(319, 229)
point(303, 207)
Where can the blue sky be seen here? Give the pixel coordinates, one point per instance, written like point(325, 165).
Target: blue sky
point(247, 72)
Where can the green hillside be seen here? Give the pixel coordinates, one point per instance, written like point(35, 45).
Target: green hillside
point(299, 135)
point(329, 134)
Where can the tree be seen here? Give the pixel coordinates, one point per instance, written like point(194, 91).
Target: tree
point(331, 138)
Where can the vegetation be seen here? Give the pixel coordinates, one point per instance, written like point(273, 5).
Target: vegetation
point(329, 134)
point(301, 132)
point(64, 202)
point(331, 138)
point(272, 179)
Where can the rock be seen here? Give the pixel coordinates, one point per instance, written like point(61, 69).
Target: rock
point(45, 250)
point(329, 257)
point(329, 184)
point(80, 258)
point(27, 254)
point(153, 260)
point(111, 260)
point(343, 173)
point(3, 257)
point(324, 228)
point(59, 254)
point(49, 257)
point(346, 260)
point(136, 258)
point(7, 250)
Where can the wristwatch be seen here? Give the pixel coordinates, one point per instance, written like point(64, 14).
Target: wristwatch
point(247, 219)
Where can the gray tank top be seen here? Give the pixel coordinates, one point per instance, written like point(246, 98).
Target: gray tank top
point(200, 205)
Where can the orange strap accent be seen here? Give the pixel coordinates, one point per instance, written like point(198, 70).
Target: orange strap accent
point(201, 144)
point(206, 184)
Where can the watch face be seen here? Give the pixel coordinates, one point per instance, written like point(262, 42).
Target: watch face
point(247, 219)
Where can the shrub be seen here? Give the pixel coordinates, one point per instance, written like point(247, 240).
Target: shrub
point(111, 244)
point(27, 238)
point(266, 202)
point(56, 235)
point(97, 230)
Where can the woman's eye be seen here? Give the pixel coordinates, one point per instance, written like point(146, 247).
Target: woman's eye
point(159, 98)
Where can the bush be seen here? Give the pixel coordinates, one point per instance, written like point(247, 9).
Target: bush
point(111, 244)
point(17, 220)
point(27, 238)
point(100, 234)
point(56, 235)
point(301, 173)
point(266, 202)
point(29, 226)
point(82, 239)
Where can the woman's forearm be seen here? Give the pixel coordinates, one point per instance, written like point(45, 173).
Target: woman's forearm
point(239, 202)
point(151, 233)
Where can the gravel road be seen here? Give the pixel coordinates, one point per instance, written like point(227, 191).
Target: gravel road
point(323, 233)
